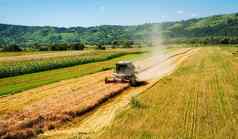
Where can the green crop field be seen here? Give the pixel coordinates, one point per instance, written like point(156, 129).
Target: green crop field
point(16, 84)
point(198, 101)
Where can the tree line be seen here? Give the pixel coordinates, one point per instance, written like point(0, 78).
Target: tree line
point(37, 47)
point(65, 47)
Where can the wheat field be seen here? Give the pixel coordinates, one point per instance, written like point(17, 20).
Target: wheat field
point(198, 101)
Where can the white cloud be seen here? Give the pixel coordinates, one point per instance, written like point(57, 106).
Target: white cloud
point(163, 17)
point(102, 9)
point(194, 15)
point(180, 12)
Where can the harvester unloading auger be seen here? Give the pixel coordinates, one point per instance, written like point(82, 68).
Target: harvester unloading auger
point(124, 72)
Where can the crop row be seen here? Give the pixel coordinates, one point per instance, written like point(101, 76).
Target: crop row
point(49, 55)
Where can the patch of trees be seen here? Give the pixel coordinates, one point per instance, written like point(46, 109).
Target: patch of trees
point(11, 48)
point(63, 47)
point(128, 44)
point(100, 47)
point(60, 47)
point(124, 44)
point(45, 47)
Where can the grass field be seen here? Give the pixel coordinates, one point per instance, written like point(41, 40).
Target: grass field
point(198, 101)
point(20, 83)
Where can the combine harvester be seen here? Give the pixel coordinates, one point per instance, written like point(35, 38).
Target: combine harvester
point(124, 73)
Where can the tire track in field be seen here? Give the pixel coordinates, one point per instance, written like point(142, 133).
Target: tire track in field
point(217, 100)
point(225, 96)
point(165, 59)
point(190, 122)
point(188, 115)
point(195, 115)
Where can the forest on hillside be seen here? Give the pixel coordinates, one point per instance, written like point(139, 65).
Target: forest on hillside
point(219, 29)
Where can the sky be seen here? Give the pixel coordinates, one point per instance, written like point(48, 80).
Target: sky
point(68, 13)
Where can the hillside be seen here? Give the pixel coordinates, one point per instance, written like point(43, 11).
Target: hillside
point(202, 29)
point(219, 28)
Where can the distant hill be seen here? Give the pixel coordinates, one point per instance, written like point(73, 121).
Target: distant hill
point(220, 27)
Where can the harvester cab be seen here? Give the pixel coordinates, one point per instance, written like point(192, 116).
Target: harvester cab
point(124, 72)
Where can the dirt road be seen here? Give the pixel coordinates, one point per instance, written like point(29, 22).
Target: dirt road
point(104, 115)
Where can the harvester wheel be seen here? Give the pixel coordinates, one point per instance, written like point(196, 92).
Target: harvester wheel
point(106, 80)
point(133, 81)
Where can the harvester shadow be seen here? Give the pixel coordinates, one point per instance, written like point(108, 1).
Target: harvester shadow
point(141, 83)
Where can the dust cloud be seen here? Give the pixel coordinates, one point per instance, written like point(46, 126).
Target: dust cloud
point(155, 64)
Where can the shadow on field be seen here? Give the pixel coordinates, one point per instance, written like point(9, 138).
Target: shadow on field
point(141, 83)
